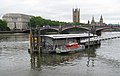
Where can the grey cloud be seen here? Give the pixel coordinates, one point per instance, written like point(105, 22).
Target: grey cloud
point(62, 9)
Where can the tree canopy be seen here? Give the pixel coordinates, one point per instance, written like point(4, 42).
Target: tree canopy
point(39, 21)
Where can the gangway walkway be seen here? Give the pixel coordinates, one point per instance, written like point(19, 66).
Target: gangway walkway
point(96, 40)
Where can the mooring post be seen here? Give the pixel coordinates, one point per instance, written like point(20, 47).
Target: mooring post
point(33, 40)
point(39, 40)
point(30, 43)
point(36, 40)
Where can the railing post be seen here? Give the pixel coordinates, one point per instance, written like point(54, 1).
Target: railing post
point(89, 39)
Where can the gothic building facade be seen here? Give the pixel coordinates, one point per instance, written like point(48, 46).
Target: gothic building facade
point(100, 23)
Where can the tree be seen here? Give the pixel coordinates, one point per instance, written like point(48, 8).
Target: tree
point(37, 21)
point(3, 25)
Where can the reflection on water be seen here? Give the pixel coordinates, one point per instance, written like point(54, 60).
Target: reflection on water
point(14, 58)
point(40, 60)
point(13, 37)
point(12, 43)
point(96, 61)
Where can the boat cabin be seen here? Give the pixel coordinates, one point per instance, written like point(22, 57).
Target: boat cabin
point(71, 45)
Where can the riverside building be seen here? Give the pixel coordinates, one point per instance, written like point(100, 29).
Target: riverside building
point(17, 21)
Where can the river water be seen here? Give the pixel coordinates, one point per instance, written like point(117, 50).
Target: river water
point(103, 60)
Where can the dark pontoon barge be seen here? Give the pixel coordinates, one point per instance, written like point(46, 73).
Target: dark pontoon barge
point(48, 43)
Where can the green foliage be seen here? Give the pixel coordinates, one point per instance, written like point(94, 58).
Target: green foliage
point(3, 25)
point(39, 21)
point(34, 21)
point(77, 23)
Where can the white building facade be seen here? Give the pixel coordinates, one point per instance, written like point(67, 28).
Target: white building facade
point(17, 21)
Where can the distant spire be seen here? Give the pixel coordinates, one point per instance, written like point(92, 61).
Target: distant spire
point(93, 20)
point(101, 19)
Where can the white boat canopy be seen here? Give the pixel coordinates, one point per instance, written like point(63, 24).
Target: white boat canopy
point(60, 36)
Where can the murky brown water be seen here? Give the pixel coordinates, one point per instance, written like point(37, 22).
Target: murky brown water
point(98, 61)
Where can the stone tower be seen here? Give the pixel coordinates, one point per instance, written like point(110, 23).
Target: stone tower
point(76, 15)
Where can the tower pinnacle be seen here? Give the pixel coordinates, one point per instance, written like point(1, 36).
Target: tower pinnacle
point(93, 20)
point(101, 19)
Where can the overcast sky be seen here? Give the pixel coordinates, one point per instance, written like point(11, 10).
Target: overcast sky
point(62, 9)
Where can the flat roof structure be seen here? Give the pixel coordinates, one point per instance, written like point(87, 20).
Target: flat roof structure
point(62, 36)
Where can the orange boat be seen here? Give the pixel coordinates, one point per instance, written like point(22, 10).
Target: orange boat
point(70, 47)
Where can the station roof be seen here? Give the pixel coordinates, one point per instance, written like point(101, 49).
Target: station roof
point(61, 36)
